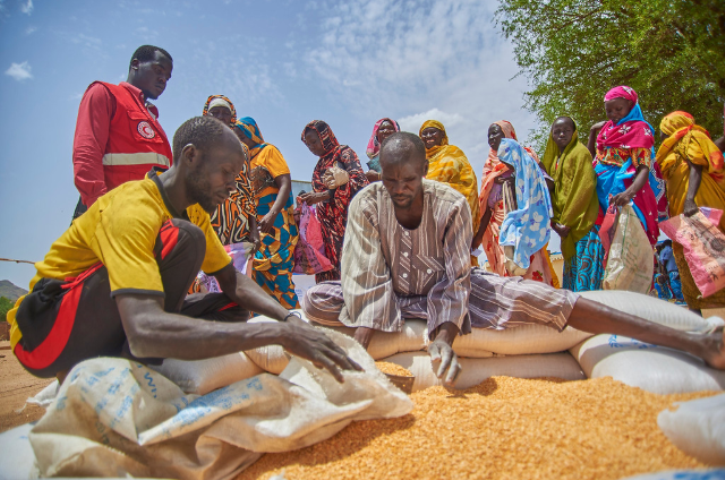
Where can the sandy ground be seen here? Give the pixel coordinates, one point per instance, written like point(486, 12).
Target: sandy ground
point(16, 385)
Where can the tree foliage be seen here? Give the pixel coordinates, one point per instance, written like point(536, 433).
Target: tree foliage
point(5, 306)
point(672, 52)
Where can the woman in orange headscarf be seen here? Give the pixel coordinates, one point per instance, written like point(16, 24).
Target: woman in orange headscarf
point(491, 208)
point(694, 169)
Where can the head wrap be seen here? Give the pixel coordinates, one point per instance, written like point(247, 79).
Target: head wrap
point(692, 141)
point(220, 100)
point(632, 131)
point(249, 129)
point(373, 144)
point(528, 227)
point(574, 201)
point(433, 151)
point(323, 130)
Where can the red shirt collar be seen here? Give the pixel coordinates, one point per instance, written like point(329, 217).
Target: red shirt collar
point(139, 94)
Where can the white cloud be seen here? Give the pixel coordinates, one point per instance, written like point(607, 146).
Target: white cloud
point(418, 59)
point(27, 7)
point(87, 41)
point(30, 30)
point(412, 123)
point(19, 71)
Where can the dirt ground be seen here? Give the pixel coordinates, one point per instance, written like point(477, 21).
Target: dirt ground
point(16, 385)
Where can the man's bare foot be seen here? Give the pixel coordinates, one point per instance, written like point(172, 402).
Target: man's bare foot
point(715, 349)
point(364, 335)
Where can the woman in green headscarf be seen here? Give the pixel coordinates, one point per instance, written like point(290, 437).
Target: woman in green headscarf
point(576, 207)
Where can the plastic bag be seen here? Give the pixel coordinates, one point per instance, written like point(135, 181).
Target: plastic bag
point(697, 428)
point(629, 258)
point(310, 252)
point(704, 246)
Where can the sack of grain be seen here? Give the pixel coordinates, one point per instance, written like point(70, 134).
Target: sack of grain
point(697, 428)
point(203, 376)
point(650, 367)
point(523, 340)
point(652, 309)
point(413, 338)
point(476, 370)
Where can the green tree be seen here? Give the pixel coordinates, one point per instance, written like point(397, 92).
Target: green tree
point(672, 52)
point(5, 306)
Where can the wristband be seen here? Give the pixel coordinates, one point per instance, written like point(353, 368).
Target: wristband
point(292, 314)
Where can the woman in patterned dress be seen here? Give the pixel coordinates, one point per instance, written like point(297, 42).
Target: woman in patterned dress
point(493, 212)
point(235, 220)
point(338, 176)
point(271, 182)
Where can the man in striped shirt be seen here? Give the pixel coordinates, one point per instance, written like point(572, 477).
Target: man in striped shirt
point(406, 255)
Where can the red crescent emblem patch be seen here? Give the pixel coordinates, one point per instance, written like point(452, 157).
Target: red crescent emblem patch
point(145, 130)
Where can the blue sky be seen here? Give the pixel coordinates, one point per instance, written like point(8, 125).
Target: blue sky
point(285, 63)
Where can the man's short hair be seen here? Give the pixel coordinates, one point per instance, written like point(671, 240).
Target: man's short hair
point(409, 144)
point(202, 132)
point(146, 53)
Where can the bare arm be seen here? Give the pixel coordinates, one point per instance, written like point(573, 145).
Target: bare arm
point(247, 294)
point(152, 332)
point(478, 238)
point(690, 207)
point(593, 133)
point(720, 142)
point(284, 183)
point(639, 181)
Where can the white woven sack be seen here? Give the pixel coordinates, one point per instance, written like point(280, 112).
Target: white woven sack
point(697, 428)
point(522, 340)
point(652, 309)
point(203, 376)
point(476, 370)
point(413, 338)
point(650, 367)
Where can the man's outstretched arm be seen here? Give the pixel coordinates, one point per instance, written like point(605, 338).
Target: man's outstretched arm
point(247, 294)
point(152, 332)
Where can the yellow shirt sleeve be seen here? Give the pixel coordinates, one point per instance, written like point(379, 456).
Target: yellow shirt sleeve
point(216, 257)
point(271, 159)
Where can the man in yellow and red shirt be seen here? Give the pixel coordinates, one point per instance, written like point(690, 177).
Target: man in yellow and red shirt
point(118, 137)
point(115, 283)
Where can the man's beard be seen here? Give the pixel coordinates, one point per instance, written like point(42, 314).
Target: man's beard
point(200, 192)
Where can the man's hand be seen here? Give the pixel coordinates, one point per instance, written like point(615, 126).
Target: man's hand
point(372, 175)
point(313, 345)
point(441, 352)
point(364, 335)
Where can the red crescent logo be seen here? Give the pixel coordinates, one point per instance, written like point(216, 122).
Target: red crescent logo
point(145, 130)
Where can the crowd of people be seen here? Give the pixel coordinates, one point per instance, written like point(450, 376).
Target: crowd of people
point(148, 253)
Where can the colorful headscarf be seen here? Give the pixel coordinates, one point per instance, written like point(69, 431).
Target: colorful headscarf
point(632, 131)
point(693, 140)
point(249, 129)
point(575, 201)
point(222, 97)
point(449, 165)
point(433, 151)
point(373, 145)
point(528, 227)
point(328, 139)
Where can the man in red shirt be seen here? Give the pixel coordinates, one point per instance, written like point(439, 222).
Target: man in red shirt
point(118, 137)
